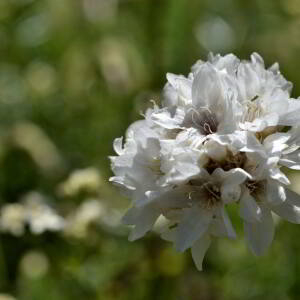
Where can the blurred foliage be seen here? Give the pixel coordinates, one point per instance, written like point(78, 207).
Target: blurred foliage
point(73, 75)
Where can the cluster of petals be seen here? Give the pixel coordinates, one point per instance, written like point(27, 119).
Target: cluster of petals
point(220, 138)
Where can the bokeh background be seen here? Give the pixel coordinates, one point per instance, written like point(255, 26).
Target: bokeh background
point(73, 75)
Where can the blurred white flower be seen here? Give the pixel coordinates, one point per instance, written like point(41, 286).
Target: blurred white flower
point(220, 138)
point(78, 221)
point(12, 218)
point(32, 211)
point(40, 216)
point(89, 212)
point(88, 179)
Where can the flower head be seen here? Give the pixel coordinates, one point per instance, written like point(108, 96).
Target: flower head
point(220, 138)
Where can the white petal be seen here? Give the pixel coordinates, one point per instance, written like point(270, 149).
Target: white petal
point(249, 81)
point(207, 88)
point(228, 62)
point(164, 118)
point(291, 160)
point(292, 197)
point(257, 59)
point(276, 142)
point(143, 218)
point(276, 174)
point(259, 124)
point(247, 142)
point(221, 139)
point(120, 181)
point(236, 176)
point(271, 119)
point(194, 224)
point(275, 192)
point(291, 117)
point(295, 135)
point(118, 146)
point(215, 151)
point(199, 249)
point(183, 89)
point(173, 199)
point(288, 212)
point(140, 131)
point(230, 193)
point(227, 223)
point(289, 209)
point(230, 189)
point(152, 148)
point(259, 235)
point(249, 210)
point(188, 169)
point(170, 96)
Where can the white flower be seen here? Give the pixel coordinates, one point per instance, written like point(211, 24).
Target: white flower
point(266, 192)
point(80, 180)
point(265, 96)
point(205, 101)
point(32, 211)
point(220, 137)
point(12, 219)
point(137, 167)
point(39, 216)
point(259, 199)
point(78, 221)
point(196, 210)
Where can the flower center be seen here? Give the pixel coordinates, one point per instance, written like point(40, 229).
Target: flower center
point(255, 188)
point(208, 195)
point(232, 161)
point(204, 120)
point(253, 110)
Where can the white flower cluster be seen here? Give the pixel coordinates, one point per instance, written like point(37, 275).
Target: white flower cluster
point(220, 138)
point(34, 212)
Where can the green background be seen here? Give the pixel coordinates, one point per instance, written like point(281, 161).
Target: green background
point(73, 75)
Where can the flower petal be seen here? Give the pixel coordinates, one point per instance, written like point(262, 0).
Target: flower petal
point(230, 193)
point(236, 176)
point(143, 218)
point(275, 192)
point(228, 225)
point(166, 119)
point(249, 211)
point(291, 117)
point(207, 88)
point(292, 197)
point(289, 209)
point(199, 249)
point(193, 225)
point(259, 235)
point(118, 146)
point(276, 174)
point(291, 160)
